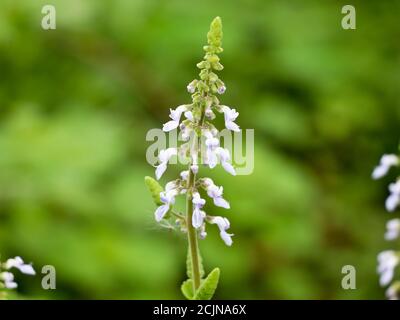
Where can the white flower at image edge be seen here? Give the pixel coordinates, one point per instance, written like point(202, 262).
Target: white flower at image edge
point(19, 264)
point(8, 279)
point(392, 229)
point(223, 225)
point(175, 115)
point(387, 161)
point(393, 200)
point(387, 262)
point(393, 292)
point(164, 156)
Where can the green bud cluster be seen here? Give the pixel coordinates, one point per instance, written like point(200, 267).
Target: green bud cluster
point(209, 83)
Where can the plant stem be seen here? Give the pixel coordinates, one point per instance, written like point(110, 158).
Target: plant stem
point(191, 231)
point(192, 236)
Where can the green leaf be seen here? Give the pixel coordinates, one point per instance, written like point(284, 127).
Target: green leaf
point(154, 188)
point(187, 289)
point(189, 265)
point(208, 286)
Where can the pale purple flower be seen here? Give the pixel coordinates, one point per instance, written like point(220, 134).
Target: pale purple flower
point(19, 264)
point(221, 89)
point(191, 87)
point(392, 229)
point(184, 175)
point(198, 215)
point(230, 116)
point(215, 193)
point(203, 233)
point(212, 143)
point(387, 161)
point(175, 115)
point(387, 262)
point(194, 168)
point(223, 225)
point(393, 292)
point(189, 115)
point(167, 198)
point(209, 113)
point(164, 156)
point(8, 279)
point(393, 200)
point(225, 158)
point(185, 131)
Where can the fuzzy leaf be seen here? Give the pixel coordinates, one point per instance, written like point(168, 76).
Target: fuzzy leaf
point(208, 286)
point(187, 289)
point(154, 188)
point(189, 265)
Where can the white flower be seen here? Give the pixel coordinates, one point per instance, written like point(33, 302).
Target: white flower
point(393, 200)
point(393, 229)
point(189, 115)
point(215, 193)
point(214, 152)
point(164, 156)
point(8, 279)
point(230, 116)
point(175, 115)
point(387, 262)
point(203, 233)
point(223, 225)
point(185, 131)
point(194, 168)
point(168, 198)
point(387, 161)
point(225, 157)
point(191, 87)
point(212, 144)
point(19, 264)
point(198, 215)
point(393, 292)
point(209, 114)
point(184, 175)
point(221, 89)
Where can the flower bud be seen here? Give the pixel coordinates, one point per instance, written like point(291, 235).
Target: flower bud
point(191, 87)
point(154, 188)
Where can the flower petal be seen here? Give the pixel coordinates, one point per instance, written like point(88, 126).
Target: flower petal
point(392, 202)
point(227, 237)
point(27, 269)
point(170, 125)
point(160, 169)
point(229, 168)
point(197, 218)
point(221, 202)
point(160, 212)
point(386, 277)
point(232, 126)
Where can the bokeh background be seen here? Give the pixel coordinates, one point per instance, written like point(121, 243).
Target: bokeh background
point(76, 103)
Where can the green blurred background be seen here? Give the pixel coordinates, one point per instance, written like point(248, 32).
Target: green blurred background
point(76, 103)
